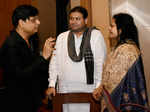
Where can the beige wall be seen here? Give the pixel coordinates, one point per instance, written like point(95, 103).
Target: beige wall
point(74, 3)
point(100, 17)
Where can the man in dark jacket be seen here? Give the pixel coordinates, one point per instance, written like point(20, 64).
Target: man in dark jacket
point(24, 70)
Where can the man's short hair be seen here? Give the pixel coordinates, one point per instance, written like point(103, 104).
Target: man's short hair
point(23, 12)
point(81, 10)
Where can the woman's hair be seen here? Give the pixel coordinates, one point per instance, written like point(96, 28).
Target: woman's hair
point(125, 23)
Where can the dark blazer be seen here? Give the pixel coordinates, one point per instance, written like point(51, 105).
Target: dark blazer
point(25, 74)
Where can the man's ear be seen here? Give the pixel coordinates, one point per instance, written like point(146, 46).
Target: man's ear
point(21, 22)
point(86, 20)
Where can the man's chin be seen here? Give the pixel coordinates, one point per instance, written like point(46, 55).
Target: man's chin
point(36, 30)
point(78, 30)
point(74, 30)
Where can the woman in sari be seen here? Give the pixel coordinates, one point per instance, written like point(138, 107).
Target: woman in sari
point(120, 76)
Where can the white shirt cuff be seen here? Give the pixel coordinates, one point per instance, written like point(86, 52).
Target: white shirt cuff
point(51, 83)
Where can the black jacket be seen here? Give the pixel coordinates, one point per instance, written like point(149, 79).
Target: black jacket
point(25, 74)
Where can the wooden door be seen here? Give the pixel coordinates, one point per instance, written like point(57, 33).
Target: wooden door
point(6, 9)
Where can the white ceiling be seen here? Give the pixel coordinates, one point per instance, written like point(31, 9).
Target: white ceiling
point(142, 5)
point(138, 8)
point(116, 3)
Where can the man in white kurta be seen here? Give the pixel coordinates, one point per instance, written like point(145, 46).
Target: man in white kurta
point(70, 75)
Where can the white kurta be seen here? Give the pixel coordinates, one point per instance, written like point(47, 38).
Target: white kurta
point(71, 75)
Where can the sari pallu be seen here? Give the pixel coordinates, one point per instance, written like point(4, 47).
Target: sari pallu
point(131, 89)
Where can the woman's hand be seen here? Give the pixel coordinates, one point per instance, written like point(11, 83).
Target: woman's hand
point(97, 93)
